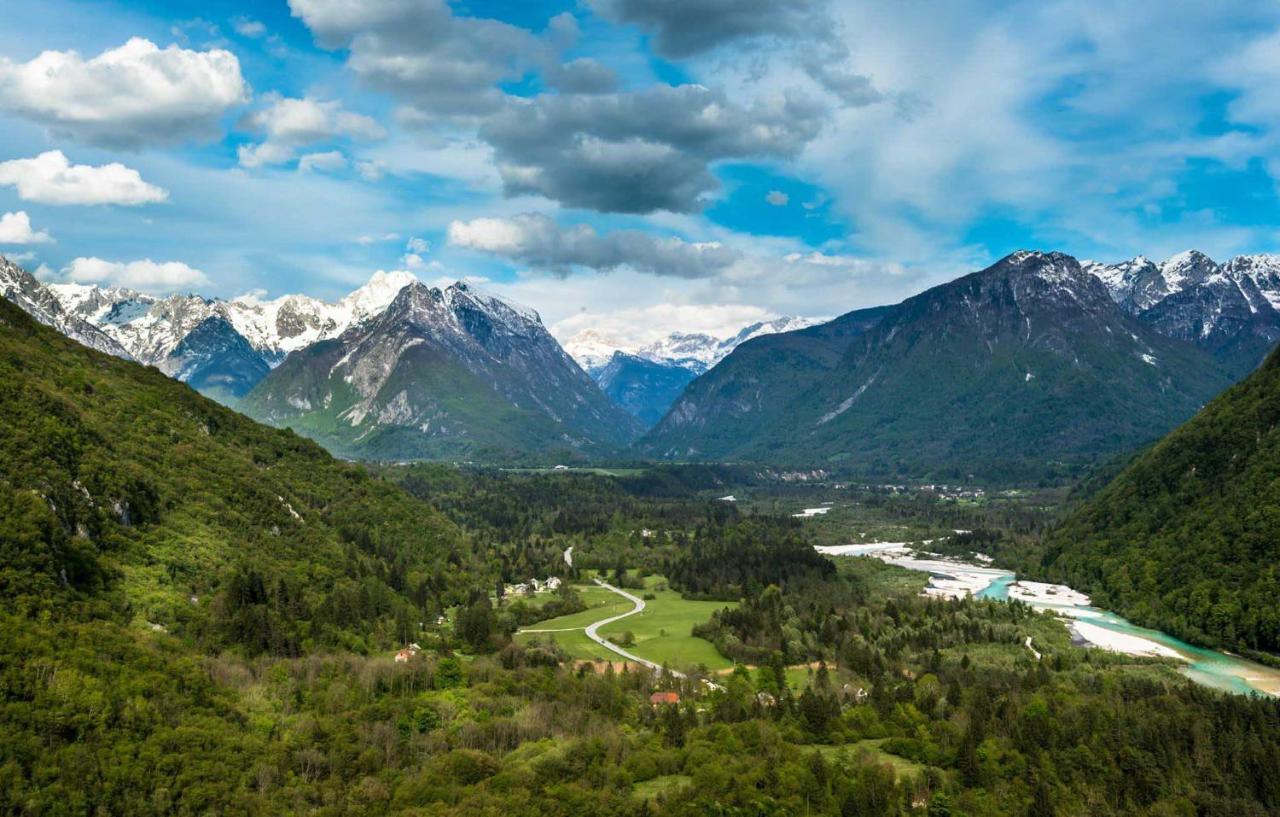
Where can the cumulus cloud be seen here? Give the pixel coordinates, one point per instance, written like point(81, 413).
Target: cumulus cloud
point(15, 228)
point(289, 124)
point(777, 198)
point(642, 151)
point(693, 27)
point(582, 76)
point(145, 275)
point(125, 97)
point(690, 27)
point(419, 50)
point(537, 241)
point(587, 145)
point(415, 249)
point(50, 178)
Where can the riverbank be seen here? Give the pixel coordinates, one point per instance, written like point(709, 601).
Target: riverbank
point(1090, 627)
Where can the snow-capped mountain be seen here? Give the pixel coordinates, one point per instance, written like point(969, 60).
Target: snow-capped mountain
point(645, 379)
point(20, 287)
point(1231, 309)
point(450, 371)
point(238, 340)
point(151, 327)
point(695, 351)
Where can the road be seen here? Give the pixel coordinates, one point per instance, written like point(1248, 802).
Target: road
point(609, 645)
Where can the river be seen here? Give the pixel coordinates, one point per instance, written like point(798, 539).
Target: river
point(1090, 626)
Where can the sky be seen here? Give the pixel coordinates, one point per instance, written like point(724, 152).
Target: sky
point(630, 166)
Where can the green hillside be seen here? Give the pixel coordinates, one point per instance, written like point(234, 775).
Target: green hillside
point(1187, 538)
point(128, 492)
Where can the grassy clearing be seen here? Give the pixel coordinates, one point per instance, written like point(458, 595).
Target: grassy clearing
point(650, 789)
point(662, 631)
point(901, 766)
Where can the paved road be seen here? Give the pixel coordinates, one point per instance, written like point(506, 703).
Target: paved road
point(609, 645)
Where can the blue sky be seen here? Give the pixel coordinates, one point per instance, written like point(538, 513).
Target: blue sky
point(633, 166)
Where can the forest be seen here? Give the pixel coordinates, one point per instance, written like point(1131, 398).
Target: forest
point(204, 616)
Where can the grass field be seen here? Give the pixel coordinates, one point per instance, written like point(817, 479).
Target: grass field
point(650, 789)
point(901, 766)
point(662, 631)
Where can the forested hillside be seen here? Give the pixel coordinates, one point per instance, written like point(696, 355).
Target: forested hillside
point(1187, 538)
point(127, 492)
point(198, 617)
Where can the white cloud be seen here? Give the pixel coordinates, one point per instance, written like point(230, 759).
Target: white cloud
point(15, 228)
point(125, 97)
point(328, 160)
point(145, 275)
point(247, 27)
point(536, 240)
point(415, 249)
point(777, 198)
point(50, 178)
point(288, 124)
point(629, 328)
point(366, 240)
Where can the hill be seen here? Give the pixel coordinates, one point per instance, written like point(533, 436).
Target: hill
point(1187, 537)
point(1023, 370)
point(128, 496)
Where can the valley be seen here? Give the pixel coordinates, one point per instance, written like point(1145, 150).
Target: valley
point(450, 638)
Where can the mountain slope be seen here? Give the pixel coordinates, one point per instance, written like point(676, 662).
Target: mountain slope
point(443, 373)
point(642, 388)
point(1020, 370)
point(125, 490)
point(1187, 537)
point(20, 287)
point(216, 360)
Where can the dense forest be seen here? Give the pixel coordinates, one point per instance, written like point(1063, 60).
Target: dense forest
point(201, 616)
point(1187, 537)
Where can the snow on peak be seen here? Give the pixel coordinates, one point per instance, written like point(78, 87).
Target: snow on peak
point(695, 351)
point(493, 303)
point(377, 293)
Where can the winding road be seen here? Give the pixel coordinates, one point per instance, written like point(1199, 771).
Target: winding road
point(592, 630)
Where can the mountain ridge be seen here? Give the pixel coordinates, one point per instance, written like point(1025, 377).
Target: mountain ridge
point(908, 388)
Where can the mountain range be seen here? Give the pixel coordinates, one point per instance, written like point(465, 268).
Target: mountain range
point(645, 379)
point(1026, 368)
point(1231, 310)
point(1036, 365)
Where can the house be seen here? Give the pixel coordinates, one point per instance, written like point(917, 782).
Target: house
point(766, 699)
point(664, 698)
point(712, 686)
point(552, 583)
point(404, 655)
